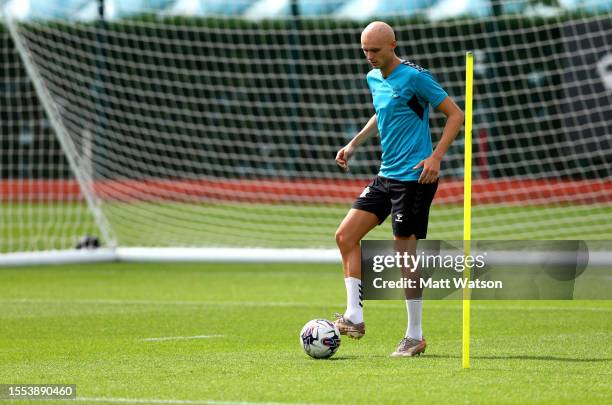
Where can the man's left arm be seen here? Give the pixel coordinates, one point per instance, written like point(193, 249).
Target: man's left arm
point(454, 120)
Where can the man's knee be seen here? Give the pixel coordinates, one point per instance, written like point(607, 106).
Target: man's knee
point(345, 240)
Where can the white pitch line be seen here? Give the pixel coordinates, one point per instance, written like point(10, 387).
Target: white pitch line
point(535, 309)
point(274, 304)
point(157, 339)
point(178, 401)
point(161, 302)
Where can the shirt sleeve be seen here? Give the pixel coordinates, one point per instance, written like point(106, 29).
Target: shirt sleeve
point(428, 89)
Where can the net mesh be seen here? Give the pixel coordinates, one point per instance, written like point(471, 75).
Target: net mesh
point(40, 206)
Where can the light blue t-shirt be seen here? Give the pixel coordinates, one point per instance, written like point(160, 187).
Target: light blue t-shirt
point(402, 104)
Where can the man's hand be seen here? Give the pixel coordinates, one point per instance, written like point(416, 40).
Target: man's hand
point(343, 156)
point(431, 169)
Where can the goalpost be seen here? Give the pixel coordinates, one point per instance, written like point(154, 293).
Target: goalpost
point(176, 138)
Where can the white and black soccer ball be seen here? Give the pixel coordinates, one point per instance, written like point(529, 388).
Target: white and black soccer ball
point(320, 338)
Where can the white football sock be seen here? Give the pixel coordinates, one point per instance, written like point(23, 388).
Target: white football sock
point(414, 308)
point(354, 305)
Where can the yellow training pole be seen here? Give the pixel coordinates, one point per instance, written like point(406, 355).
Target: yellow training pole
point(467, 203)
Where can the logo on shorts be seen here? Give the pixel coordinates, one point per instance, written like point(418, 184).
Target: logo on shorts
point(398, 217)
point(364, 192)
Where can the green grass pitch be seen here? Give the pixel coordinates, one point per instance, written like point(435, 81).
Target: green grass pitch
point(88, 324)
point(28, 227)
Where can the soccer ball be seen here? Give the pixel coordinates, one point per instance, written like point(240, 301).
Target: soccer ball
point(320, 338)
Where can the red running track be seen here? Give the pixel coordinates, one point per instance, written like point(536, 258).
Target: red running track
point(312, 191)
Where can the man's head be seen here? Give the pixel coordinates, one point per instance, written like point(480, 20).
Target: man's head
point(378, 44)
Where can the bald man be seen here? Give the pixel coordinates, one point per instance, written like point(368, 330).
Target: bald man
point(408, 178)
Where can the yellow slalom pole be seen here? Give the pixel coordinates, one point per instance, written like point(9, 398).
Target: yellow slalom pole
point(467, 204)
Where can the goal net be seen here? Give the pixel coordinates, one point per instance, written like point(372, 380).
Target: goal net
point(157, 130)
point(41, 207)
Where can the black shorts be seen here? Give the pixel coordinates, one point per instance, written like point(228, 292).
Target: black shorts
point(407, 201)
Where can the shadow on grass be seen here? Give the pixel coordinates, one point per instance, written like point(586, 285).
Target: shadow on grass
point(350, 357)
point(341, 358)
point(525, 357)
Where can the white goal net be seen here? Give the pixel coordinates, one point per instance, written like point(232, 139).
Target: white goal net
point(157, 130)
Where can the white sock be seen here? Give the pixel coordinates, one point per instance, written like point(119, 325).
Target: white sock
point(354, 305)
point(414, 308)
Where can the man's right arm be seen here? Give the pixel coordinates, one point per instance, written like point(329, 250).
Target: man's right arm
point(369, 130)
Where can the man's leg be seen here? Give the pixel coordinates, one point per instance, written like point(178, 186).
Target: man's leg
point(353, 228)
point(410, 212)
point(414, 303)
point(413, 342)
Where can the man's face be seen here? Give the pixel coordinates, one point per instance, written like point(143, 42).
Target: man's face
point(379, 51)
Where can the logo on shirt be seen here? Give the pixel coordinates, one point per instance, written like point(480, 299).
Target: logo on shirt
point(398, 217)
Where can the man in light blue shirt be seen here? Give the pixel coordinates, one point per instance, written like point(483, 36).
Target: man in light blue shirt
point(401, 101)
point(408, 178)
